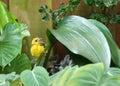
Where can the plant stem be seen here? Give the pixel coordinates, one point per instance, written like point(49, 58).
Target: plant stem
point(44, 54)
point(39, 60)
point(49, 47)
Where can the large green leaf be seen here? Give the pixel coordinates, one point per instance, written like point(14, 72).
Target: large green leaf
point(5, 15)
point(111, 77)
point(37, 77)
point(88, 75)
point(19, 64)
point(10, 44)
point(63, 76)
point(113, 46)
point(82, 37)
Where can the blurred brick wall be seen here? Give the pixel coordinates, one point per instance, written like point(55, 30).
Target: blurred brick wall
point(7, 2)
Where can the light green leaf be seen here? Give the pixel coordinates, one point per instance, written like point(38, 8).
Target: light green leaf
point(88, 75)
point(113, 46)
point(24, 31)
point(111, 77)
point(82, 37)
point(5, 15)
point(3, 81)
point(37, 77)
point(6, 79)
point(10, 44)
point(63, 76)
point(53, 78)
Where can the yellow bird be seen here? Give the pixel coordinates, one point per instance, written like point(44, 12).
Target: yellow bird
point(37, 47)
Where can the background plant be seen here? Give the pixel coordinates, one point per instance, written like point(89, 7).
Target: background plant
point(101, 10)
point(11, 35)
point(73, 30)
point(81, 37)
point(104, 14)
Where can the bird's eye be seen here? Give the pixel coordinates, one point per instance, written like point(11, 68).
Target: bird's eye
point(36, 40)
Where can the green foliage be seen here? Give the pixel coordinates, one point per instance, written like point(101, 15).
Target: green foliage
point(110, 3)
point(88, 75)
point(99, 17)
point(115, 51)
point(37, 77)
point(104, 14)
point(56, 14)
point(76, 34)
point(97, 3)
point(82, 37)
point(19, 64)
point(102, 3)
point(24, 31)
point(10, 44)
point(6, 79)
point(12, 33)
point(88, 38)
point(5, 16)
point(115, 18)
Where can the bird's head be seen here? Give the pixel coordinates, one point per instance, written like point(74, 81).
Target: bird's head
point(37, 41)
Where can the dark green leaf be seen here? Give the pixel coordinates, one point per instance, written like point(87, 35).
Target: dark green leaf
point(79, 60)
point(43, 9)
point(100, 17)
point(46, 17)
point(19, 64)
point(89, 2)
point(51, 37)
point(115, 19)
point(62, 6)
point(97, 3)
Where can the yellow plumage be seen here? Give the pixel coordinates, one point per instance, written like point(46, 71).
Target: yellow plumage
point(37, 47)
